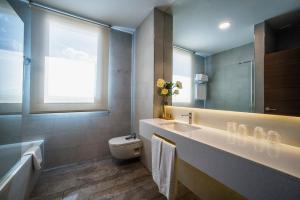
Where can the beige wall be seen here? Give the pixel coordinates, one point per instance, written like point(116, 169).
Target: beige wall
point(288, 127)
point(153, 60)
point(202, 185)
point(144, 71)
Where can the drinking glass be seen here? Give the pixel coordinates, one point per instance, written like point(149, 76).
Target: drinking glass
point(260, 136)
point(231, 129)
point(273, 137)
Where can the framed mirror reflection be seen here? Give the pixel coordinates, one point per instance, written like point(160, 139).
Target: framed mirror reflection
point(237, 55)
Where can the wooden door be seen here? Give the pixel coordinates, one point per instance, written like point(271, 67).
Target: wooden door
point(282, 82)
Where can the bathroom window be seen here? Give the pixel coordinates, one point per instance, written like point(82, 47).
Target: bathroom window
point(182, 71)
point(70, 65)
point(11, 60)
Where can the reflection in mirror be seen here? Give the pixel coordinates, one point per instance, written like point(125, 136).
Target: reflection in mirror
point(11, 59)
point(182, 71)
point(231, 78)
point(236, 55)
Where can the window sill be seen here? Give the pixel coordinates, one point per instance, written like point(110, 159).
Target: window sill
point(101, 112)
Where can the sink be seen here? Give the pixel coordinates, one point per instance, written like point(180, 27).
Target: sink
point(180, 127)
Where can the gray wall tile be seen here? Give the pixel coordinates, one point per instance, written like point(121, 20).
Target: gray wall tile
point(229, 85)
point(74, 137)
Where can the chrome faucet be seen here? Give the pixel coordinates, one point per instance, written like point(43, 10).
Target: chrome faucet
point(190, 115)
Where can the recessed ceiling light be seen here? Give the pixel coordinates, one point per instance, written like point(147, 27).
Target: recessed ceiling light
point(224, 25)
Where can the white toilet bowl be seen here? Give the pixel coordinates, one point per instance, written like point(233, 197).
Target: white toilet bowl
point(124, 148)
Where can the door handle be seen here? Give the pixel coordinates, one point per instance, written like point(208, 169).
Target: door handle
point(270, 109)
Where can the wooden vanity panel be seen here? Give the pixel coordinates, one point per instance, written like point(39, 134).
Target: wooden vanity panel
point(202, 185)
point(282, 82)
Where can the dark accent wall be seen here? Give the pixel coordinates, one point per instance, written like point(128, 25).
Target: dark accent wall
point(163, 54)
point(288, 38)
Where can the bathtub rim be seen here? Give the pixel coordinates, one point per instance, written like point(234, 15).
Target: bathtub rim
point(18, 165)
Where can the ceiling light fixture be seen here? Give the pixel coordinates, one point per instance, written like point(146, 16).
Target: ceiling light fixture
point(224, 25)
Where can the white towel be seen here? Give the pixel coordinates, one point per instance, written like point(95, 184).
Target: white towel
point(167, 169)
point(36, 153)
point(156, 145)
point(200, 91)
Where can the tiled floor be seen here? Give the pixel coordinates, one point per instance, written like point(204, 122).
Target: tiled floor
point(103, 180)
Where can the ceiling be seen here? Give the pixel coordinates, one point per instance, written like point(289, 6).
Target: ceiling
point(196, 22)
point(121, 13)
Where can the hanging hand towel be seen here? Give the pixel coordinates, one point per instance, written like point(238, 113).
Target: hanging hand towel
point(36, 153)
point(156, 145)
point(167, 170)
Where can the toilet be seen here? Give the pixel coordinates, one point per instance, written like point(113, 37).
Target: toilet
point(125, 147)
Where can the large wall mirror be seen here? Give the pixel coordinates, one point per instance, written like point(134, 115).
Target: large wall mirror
point(238, 55)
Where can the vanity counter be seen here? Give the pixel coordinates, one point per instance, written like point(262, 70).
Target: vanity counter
point(257, 170)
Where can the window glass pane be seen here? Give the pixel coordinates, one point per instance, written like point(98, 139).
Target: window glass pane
point(70, 68)
point(11, 56)
point(182, 71)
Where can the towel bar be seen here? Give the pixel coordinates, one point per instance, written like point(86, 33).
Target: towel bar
point(167, 140)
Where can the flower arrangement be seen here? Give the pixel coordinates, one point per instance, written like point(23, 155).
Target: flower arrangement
point(166, 89)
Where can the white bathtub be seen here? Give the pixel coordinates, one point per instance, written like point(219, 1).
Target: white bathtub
point(21, 178)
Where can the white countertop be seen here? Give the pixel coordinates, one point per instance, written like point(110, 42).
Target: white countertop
point(280, 157)
point(260, 171)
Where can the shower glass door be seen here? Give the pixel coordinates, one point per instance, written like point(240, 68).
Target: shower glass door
point(11, 79)
point(231, 87)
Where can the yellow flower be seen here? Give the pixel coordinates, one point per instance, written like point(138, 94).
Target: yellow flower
point(176, 91)
point(164, 91)
point(179, 84)
point(160, 83)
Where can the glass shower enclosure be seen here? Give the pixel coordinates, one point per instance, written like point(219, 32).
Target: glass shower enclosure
point(231, 86)
point(11, 83)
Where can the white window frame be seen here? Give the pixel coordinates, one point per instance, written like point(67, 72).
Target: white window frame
point(188, 65)
point(40, 46)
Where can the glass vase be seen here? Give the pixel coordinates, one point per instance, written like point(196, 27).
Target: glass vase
point(164, 103)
